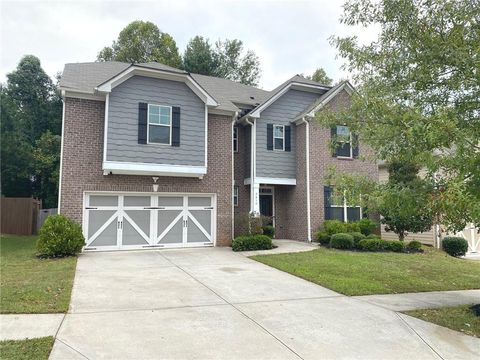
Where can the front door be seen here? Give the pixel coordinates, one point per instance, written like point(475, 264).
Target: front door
point(266, 204)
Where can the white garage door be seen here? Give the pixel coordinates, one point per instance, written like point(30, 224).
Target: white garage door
point(136, 221)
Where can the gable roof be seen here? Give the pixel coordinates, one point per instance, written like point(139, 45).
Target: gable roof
point(325, 99)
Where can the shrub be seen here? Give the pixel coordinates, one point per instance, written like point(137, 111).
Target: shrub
point(269, 231)
point(413, 246)
point(322, 237)
point(252, 242)
point(455, 246)
point(352, 227)
point(395, 245)
point(59, 236)
point(373, 236)
point(341, 241)
point(357, 236)
point(367, 226)
point(371, 244)
point(334, 227)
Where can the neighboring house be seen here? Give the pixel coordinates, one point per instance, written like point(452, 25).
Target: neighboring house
point(153, 156)
point(436, 233)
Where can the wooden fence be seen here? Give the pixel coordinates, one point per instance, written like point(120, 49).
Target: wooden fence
point(19, 215)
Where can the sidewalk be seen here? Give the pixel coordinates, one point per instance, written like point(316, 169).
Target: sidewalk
point(423, 300)
point(23, 326)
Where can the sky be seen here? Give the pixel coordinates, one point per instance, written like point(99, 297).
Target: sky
point(289, 36)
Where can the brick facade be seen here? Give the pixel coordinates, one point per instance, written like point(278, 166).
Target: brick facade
point(82, 165)
point(321, 159)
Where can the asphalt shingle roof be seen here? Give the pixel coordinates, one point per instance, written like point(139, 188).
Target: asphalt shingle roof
point(85, 77)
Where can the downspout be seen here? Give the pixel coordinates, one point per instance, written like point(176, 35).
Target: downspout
point(61, 155)
point(234, 118)
point(307, 159)
point(253, 139)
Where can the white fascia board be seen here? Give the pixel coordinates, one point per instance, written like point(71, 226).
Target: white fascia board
point(346, 86)
point(271, 181)
point(82, 95)
point(160, 74)
point(256, 112)
point(128, 168)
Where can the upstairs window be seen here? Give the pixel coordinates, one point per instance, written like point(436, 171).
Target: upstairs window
point(339, 211)
point(344, 139)
point(159, 124)
point(279, 137)
point(235, 139)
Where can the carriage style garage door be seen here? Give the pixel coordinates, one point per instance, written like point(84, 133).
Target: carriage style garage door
point(137, 221)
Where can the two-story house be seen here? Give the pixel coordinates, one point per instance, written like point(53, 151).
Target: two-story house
point(153, 156)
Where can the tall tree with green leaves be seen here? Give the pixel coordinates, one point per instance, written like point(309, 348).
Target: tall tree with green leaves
point(142, 41)
point(419, 94)
point(320, 75)
point(227, 59)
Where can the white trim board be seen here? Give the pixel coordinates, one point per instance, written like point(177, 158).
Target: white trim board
point(271, 181)
point(127, 168)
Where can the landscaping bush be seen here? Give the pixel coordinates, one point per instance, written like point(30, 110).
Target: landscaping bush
point(372, 244)
point(341, 241)
point(59, 236)
point(357, 236)
point(352, 227)
point(334, 227)
point(395, 245)
point(269, 231)
point(322, 237)
point(367, 226)
point(455, 246)
point(252, 242)
point(414, 246)
point(373, 236)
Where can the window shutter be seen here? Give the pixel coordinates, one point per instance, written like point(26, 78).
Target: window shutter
point(333, 134)
point(287, 138)
point(355, 146)
point(142, 122)
point(175, 126)
point(269, 136)
point(326, 200)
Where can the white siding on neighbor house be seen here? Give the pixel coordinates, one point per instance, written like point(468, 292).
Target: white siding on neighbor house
point(427, 237)
point(122, 136)
point(280, 164)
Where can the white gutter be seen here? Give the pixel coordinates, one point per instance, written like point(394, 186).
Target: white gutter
point(233, 175)
point(307, 156)
point(61, 155)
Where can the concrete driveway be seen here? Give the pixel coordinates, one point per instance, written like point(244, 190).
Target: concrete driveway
point(214, 304)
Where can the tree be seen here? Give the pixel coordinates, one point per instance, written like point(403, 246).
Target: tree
point(142, 41)
point(320, 75)
point(199, 57)
point(403, 201)
point(226, 60)
point(46, 160)
point(419, 94)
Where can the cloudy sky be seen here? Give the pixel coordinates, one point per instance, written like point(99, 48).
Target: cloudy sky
point(289, 36)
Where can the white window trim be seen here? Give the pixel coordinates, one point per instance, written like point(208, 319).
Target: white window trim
point(276, 137)
point(347, 142)
point(235, 139)
point(148, 125)
point(235, 195)
point(345, 207)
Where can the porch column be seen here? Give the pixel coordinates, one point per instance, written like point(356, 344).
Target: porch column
point(255, 199)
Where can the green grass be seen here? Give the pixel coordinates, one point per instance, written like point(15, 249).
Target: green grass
point(459, 318)
point(362, 273)
point(29, 284)
point(34, 349)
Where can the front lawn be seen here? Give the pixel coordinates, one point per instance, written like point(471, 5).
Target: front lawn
point(365, 273)
point(29, 349)
point(29, 284)
point(459, 318)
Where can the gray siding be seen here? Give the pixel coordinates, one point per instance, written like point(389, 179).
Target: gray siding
point(280, 164)
point(122, 141)
point(248, 152)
